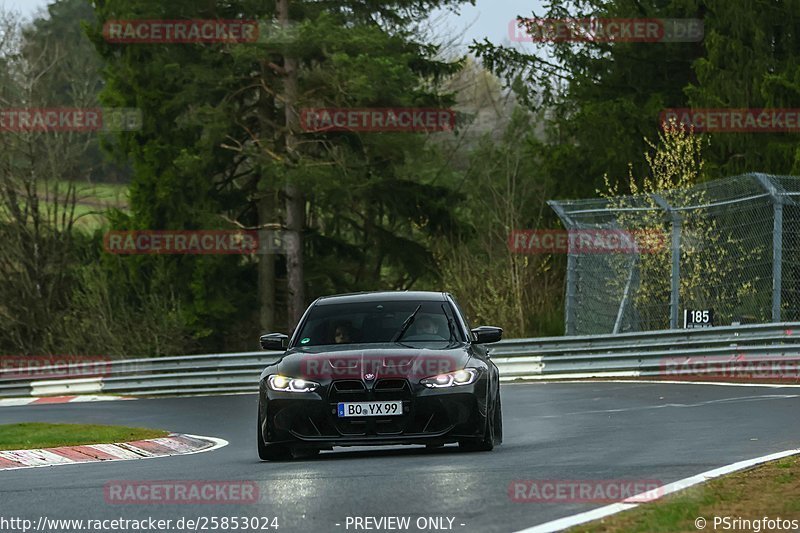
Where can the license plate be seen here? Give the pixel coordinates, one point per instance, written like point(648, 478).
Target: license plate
point(347, 409)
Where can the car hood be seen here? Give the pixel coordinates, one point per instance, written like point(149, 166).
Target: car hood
point(324, 363)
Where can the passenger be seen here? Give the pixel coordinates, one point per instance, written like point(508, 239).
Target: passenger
point(342, 335)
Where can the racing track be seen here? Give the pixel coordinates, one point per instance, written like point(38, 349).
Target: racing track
point(553, 431)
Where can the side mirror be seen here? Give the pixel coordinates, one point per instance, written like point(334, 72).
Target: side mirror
point(274, 341)
point(487, 334)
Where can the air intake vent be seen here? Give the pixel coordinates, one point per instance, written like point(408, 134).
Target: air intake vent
point(348, 385)
point(390, 385)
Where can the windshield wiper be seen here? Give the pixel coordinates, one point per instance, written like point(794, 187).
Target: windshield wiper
point(450, 325)
point(406, 324)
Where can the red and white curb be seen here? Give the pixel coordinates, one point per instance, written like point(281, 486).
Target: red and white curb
point(174, 444)
point(13, 402)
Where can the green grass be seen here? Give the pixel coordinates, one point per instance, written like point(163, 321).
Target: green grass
point(92, 200)
point(30, 435)
point(108, 193)
point(771, 490)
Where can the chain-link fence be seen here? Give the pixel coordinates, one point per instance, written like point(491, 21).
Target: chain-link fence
point(731, 245)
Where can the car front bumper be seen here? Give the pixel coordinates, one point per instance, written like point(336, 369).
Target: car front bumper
point(430, 416)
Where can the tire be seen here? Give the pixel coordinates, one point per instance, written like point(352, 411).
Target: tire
point(487, 442)
point(271, 452)
point(498, 418)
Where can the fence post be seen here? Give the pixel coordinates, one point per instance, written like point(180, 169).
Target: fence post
point(626, 295)
point(777, 242)
point(674, 298)
point(572, 272)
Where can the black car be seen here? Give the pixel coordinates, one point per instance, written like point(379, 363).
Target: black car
point(380, 368)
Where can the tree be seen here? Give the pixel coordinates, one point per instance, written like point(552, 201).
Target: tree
point(37, 195)
point(220, 147)
point(712, 249)
point(505, 190)
point(600, 98)
point(751, 59)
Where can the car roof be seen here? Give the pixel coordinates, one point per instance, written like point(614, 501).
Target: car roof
point(383, 296)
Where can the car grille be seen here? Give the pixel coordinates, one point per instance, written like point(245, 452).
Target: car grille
point(359, 391)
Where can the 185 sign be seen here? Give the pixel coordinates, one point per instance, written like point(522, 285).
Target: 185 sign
point(698, 318)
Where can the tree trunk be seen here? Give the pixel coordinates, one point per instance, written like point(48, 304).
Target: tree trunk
point(295, 200)
point(267, 216)
point(266, 267)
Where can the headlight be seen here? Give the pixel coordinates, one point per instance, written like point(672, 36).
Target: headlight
point(284, 384)
point(451, 379)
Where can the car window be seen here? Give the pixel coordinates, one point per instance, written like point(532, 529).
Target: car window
point(376, 322)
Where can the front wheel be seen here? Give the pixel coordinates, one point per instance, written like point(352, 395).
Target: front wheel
point(492, 424)
point(498, 419)
point(271, 452)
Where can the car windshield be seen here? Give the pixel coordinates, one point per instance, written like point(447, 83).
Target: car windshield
point(378, 322)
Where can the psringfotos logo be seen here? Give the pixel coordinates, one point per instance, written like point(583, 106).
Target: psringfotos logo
point(407, 119)
point(605, 30)
point(615, 241)
point(181, 492)
point(64, 119)
point(585, 490)
point(741, 120)
point(182, 242)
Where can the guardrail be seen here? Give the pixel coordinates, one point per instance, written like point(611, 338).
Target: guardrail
point(675, 354)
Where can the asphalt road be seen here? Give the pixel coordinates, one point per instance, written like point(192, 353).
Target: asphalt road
point(553, 431)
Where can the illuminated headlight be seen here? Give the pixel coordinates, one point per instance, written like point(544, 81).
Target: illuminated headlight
point(451, 379)
point(284, 384)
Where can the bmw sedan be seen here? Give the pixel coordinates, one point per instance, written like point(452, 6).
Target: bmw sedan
point(381, 368)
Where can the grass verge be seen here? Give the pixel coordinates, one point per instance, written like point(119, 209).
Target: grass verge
point(771, 490)
point(30, 435)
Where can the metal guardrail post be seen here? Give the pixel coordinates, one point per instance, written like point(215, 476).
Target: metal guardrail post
point(777, 242)
point(674, 298)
